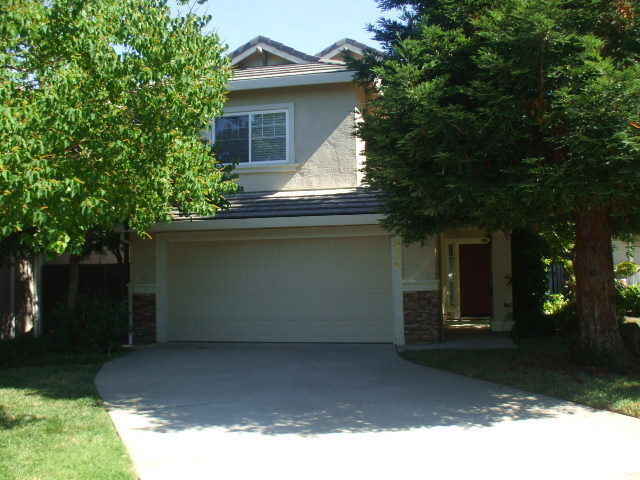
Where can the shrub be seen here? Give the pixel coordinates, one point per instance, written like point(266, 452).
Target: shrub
point(97, 325)
point(626, 269)
point(560, 315)
point(628, 298)
point(554, 303)
point(529, 283)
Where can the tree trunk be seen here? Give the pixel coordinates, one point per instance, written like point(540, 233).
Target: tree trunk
point(74, 277)
point(595, 286)
point(26, 308)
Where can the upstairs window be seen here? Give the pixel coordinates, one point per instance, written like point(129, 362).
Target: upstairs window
point(256, 137)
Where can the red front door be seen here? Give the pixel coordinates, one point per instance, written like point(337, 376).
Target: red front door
point(475, 280)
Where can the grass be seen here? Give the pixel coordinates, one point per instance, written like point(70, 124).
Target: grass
point(543, 366)
point(53, 425)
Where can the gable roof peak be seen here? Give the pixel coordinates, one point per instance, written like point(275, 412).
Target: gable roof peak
point(271, 46)
point(344, 44)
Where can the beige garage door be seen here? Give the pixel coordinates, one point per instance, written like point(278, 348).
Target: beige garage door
point(290, 290)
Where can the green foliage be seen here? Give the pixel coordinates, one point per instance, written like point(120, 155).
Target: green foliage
point(95, 325)
point(529, 283)
point(505, 113)
point(554, 303)
point(562, 313)
point(508, 114)
point(102, 105)
point(626, 269)
point(628, 300)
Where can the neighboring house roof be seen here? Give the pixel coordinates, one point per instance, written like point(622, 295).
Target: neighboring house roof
point(271, 46)
point(298, 204)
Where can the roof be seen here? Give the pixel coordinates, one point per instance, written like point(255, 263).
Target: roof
point(303, 69)
point(297, 204)
point(287, 69)
point(346, 42)
point(277, 45)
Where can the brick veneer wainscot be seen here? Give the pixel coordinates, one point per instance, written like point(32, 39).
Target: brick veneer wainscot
point(143, 312)
point(422, 317)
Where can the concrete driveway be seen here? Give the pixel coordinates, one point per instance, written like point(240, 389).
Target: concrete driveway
point(310, 411)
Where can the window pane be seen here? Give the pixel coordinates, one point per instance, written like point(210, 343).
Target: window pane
point(269, 137)
point(232, 138)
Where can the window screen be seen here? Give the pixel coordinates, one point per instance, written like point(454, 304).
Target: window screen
point(269, 137)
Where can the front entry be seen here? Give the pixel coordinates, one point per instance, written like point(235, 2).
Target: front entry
point(475, 280)
point(467, 279)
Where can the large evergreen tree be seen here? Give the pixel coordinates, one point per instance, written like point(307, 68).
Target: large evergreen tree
point(506, 114)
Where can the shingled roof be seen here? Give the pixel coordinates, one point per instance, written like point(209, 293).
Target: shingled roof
point(287, 69)
point(297, 204)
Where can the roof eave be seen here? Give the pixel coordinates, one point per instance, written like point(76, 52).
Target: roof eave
point(345, 76)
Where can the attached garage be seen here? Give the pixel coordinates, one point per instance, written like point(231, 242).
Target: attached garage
point(332, 289)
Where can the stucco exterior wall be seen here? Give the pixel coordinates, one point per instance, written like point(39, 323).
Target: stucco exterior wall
point(143, 261)
point(420, 262)
point(324, 148)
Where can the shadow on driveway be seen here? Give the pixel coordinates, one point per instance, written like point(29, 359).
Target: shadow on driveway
point(304, 389)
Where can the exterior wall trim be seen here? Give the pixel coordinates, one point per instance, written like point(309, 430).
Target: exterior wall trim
point(291, 81)
point(273, 222)
point(162, 300)
point(247, 168)
point(142, 287)
point(396, 291)
point(420, 285)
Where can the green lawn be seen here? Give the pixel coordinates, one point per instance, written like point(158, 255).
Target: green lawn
point(542, 366)
point(53, 425)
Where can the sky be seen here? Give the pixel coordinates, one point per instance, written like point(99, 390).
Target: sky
point(306, 25)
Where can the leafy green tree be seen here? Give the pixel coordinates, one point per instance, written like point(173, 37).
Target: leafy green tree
point(506, 114)
point(102, 104)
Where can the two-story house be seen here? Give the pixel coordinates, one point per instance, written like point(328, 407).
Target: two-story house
point(300, 256)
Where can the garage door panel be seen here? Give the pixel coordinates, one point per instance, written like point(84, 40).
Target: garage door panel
point(260, 307)
point(325, 289)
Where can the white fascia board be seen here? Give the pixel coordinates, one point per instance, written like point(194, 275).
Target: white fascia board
point(342, 48)
point(269, 49)
point(291, 80)
point(272, 222)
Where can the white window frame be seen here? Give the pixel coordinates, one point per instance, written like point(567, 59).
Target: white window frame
point(287, 108)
